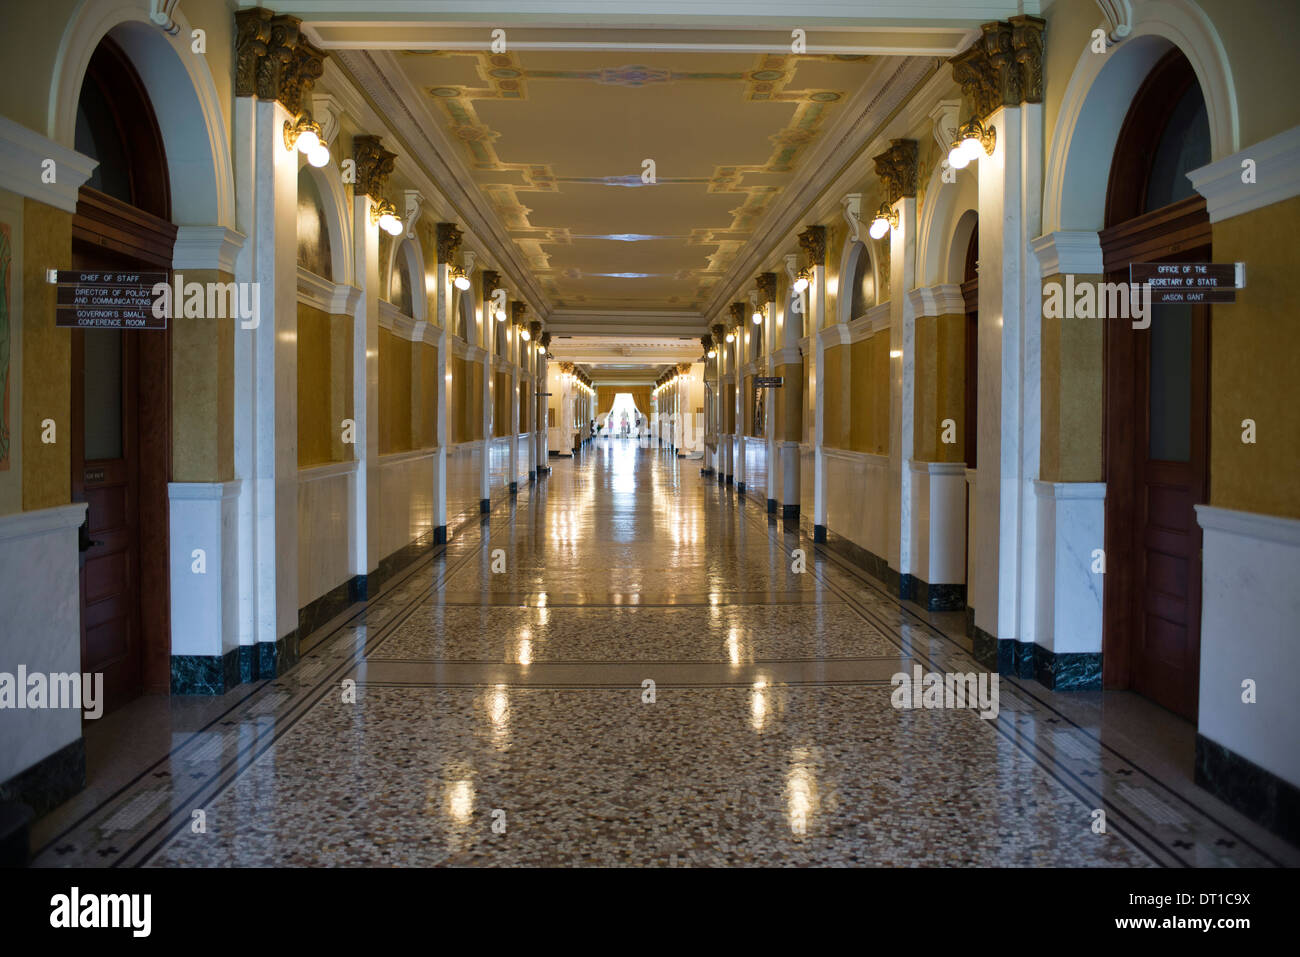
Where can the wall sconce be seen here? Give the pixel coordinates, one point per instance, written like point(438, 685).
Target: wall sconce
point(972, 137)
point(802, 279)
point(524, 334)
point(459, 278)
point(759, 315)
point(712, 353)
point(304, 135)
point(385, 214)
point(731, 336)
point(886, 219)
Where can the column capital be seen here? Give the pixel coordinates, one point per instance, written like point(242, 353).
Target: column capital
point(449, 237)
point(813, 242)
point(1004, 67)
point(896, 167)
point(272, 59)
point(766, 282)
point(374, 164)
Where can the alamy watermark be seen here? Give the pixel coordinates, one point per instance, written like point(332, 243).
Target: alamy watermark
point(208, 300)
point(934, 689)
point(38, 690)
point(1098, 300)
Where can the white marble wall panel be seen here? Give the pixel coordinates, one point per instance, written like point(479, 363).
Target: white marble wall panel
point(917, 511)
point(463, 464)
point(406, 494)
point(972, 569)
point(857, 498)
point(806, 483)
point(204, 516)
point(326, 505)
point(40, 597)
point(940, 535)
point(756, 471)
point(1070, 523)
point(1249, 608)
point(521, 459)
point(498, 464)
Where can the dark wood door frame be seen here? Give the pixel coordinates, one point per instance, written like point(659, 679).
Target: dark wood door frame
point(107, 231)
point(1180, 231)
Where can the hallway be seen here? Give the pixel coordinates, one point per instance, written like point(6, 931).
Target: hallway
point(501, 716)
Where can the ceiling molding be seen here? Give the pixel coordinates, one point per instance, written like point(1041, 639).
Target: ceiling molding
point(827, 164)
point(625, 324)
point(829, 206)
point(393, 99)
point(688, 14)
point(419, 35)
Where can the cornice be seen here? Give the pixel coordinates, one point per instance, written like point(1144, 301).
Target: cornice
point(391, 98)
point(206, 247)
point(1277, 177)
point(823, 167)
point(942, 300)
point(1064, 252)
point(22, 153)
point(835, 335)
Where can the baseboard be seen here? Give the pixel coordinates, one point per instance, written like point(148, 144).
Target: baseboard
point(205, 674)
point(50, 781)
point(1256, 792)
point(1067, 671)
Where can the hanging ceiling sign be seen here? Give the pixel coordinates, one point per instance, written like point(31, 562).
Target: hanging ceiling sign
point(769, 381)
point(108, 300)
point(1190, 283)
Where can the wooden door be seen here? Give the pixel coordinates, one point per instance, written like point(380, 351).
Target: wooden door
point(106, 476)
point(1171, 374)
point(1157, 469)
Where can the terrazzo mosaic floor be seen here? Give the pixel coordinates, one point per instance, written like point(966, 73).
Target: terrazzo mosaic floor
point(637, 677)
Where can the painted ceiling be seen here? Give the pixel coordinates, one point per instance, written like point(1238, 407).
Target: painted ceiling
point(557, 142)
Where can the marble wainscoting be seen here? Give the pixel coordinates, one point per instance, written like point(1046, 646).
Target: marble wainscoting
point(328, 582)
point(43, 760)
point(938, 525)
point(206, 654)
point(464, 470)
point(405, 527)
point(790, 484)
point(857, 510)
point(522, 473)
point(756, 472)
point(498, 465)
point(1071, 526)
point(807, 485)
point(1248, 751)
point(972, 569)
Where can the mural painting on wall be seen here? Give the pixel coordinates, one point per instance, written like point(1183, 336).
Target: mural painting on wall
point(6, 257)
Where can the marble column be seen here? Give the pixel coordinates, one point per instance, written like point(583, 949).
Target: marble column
point(266, 385)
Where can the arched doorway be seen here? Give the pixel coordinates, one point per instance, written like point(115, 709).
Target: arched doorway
point(1156, 398)
point(121, 390)
point(626, 407)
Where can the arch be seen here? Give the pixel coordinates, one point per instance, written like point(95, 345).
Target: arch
point(794, 324)
point(329, 183)
point(465, 315)
point(853, 252)
point(946, 207)
point(1097, 100)
point(183, 94)
point(408, 248)
point(958, 246)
